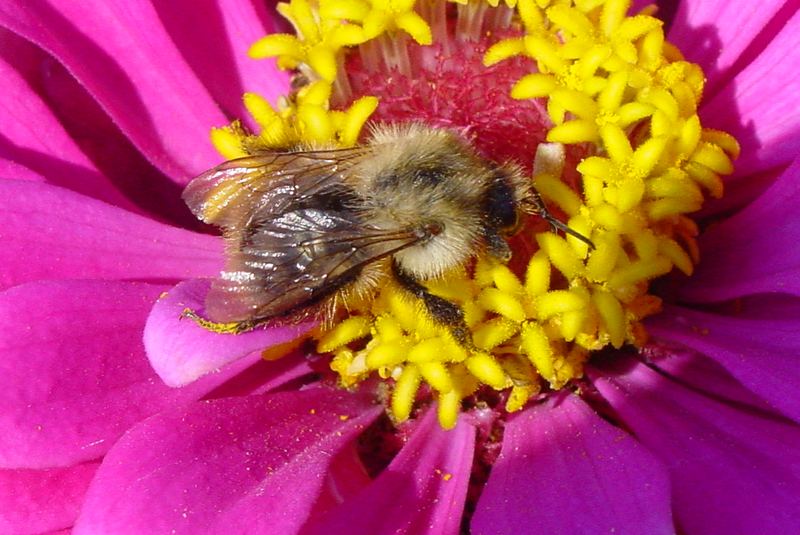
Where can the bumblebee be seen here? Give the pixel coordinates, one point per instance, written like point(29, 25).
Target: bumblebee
point(309, 227)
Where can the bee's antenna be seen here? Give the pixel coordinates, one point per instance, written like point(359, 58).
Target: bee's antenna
point(558, 225)
point(534, 204)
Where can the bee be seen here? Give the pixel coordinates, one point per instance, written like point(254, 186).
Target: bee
point(309, 227)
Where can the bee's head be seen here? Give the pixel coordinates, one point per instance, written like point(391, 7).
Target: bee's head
point(506, 196)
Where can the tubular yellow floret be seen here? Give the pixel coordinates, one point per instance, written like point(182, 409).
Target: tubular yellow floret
point(505, 280)
point(537, 276)
point(344, 9)
point(557, 302)
point(503, 50)
point(561, 255)
point(573, 132)
point(448, 409)
point(355, 118)
point(613, 316)
point(558, 193)
point(278, 44)
point(437, 349)
point(502, 303)
point(346, 331)
point(676, 254)
point(723, 140)
point(640, 271)
point(535, 344)
point(387, 354)
point(227, 142)
point(487, 370)
point(572, 323)
point(436, 375)
point(261, 110)
point(603, 259)
point(405, 391)
point(494, 332)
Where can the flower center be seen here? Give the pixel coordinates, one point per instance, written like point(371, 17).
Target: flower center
point(598, 108)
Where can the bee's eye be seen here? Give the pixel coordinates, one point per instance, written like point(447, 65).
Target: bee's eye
point(515, 225)
point(501, 206)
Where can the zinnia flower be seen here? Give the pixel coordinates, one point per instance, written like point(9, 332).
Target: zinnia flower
point(106, 117)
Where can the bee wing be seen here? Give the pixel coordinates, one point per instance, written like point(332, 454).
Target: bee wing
point(225, 195)
point(294, 232)
point(296, 259)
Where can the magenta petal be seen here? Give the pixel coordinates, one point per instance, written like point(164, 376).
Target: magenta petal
point(32, 138)
point(345, 478)
point(38, 501)
point(14, 170)
point(50, 233)
point(122, 54)
point(214, 37)
point(74, 375)
point(261, 76)
point(253, 464)
point(741, 257)
point(717, 33)
point(261, 376)
point(760, 106)
point(733, 469)
point(565, 470)
point(762, 354)
point(422, 491)
point(181, 351)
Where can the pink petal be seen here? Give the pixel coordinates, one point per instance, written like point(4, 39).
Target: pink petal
point(345, 478)
point(720, 35)
point(262, 376)
point(239, 465)
point(214, 37)
point(49, 232)
point(260, 76)
point(761, 353)
point(180, 351)
point(32, 137)
point(700, 372)
point(93, 131)
point(421, 491)
point(755, 251)
point(122, 54)
point(15, 170)
point(37, 501)
point(760, 106)
point(733, 469)
point(74, 375)
point(565, 470)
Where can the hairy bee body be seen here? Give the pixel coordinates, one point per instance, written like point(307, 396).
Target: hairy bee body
point(308, 226)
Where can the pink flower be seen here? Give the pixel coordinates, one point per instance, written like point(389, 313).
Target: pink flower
point(105, 117)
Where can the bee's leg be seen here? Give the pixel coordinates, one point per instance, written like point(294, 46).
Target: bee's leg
point(541, 210)
point(442, 311)
point(497, 246)
point(234, 327)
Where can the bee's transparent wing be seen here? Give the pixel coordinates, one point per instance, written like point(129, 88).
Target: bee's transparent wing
point(295, 260)
point(293, 228)
point(225, 195)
